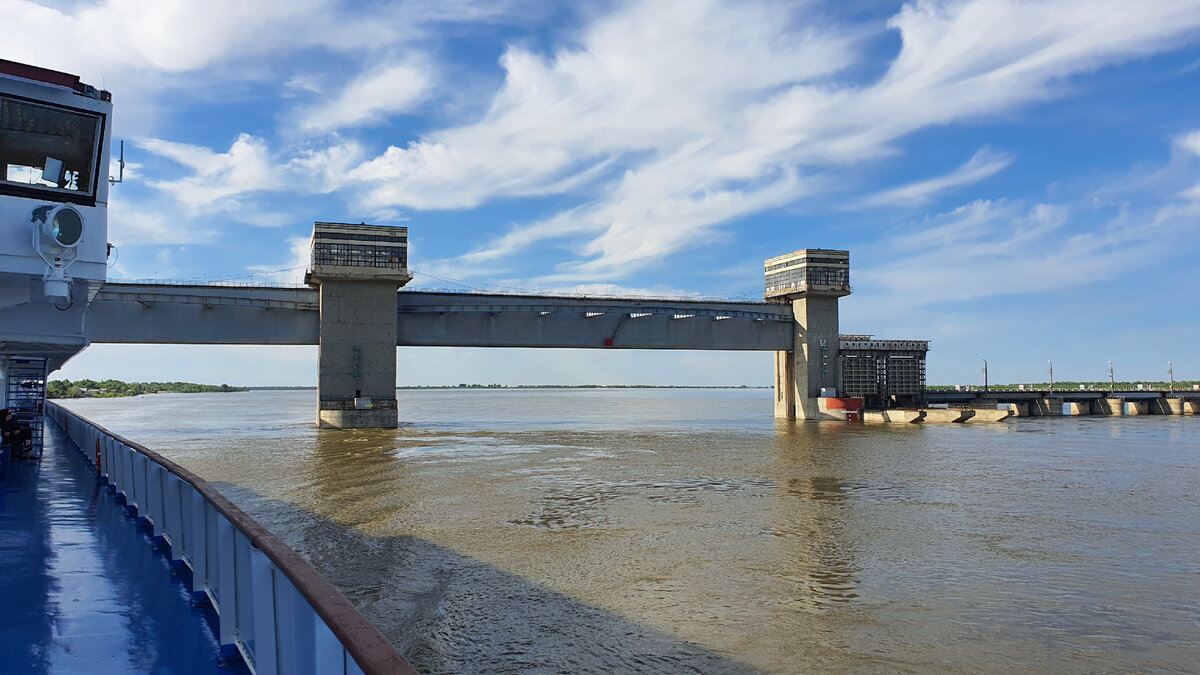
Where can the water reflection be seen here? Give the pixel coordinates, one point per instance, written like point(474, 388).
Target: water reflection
point(825, 571)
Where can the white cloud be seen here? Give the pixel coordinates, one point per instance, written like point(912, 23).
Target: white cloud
point(151, 223)
point(396, 88)
point(988, 249)
point(716, 111)
point(670, 119)
point(188, 35)
point(653, 78)
point(290, 271)
point(218, 177)
point(221, 181)
point(1190, 142)
point(983, 164)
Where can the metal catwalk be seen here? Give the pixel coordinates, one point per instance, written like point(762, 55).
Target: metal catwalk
point(82, 589)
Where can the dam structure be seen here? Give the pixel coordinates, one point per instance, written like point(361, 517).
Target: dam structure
point(356, 310)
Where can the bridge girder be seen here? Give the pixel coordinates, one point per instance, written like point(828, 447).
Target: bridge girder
point(212, 314)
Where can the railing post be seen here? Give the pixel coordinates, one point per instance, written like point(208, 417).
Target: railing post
point(173, 516)
point(266, 634)
point(243, 570)
point(157, 476)
point(198, 546)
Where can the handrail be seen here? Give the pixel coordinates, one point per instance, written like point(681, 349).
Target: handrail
point(371, 652)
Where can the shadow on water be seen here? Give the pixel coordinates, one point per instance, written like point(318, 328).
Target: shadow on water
point(448, 613)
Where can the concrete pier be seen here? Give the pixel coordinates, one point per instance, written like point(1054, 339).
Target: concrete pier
point(990, 415)
point(1166, 406)
point(1077, 408)
point(895, 416)
point(1045, 407)
point(1191, 407)
point(946, 415)
point(1018, 409)
point(1141, 407)
point(358, 269)
point(785, 385)
point(357, 360)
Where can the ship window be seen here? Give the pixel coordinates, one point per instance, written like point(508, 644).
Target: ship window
point(48, 148)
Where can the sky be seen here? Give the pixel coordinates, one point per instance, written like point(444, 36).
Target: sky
point(1016, 181)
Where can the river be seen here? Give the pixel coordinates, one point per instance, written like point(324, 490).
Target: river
point(680, 531)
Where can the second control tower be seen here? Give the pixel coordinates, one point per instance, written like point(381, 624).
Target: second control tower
point(807, 377)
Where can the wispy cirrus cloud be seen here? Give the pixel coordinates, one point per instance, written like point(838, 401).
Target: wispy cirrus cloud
point(983, 164)
point(372, 97)
point(717, 111)
point(991, 248)
point(663, 121)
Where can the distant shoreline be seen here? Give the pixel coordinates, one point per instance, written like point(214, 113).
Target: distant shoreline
point(538, 386)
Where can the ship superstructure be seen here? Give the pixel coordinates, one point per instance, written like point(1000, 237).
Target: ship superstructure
point(54, 156)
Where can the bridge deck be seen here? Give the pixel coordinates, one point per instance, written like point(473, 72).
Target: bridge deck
point(81, 589)
point(200, 314)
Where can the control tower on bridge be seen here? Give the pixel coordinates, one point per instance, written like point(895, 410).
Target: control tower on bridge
point(807, 376)
point(357, 269)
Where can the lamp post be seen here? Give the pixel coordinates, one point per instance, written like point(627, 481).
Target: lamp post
point(1051, 371)
point(985, 386)
point(1171, 376)
point(1112, 387)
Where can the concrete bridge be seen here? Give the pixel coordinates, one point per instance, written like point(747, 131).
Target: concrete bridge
point(264, 315)
point(357, 373)
point(354, 308)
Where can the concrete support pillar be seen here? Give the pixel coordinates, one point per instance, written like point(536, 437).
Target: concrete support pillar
point(1053, 406)
point(1137, 407)
point(812, 365)
point(785, 386)
point(356, 382)
point(1165, 406)
point(1106, 406)
point(1191, 407)
point(1018, 409)
point(815, 358)
point(1075, 408)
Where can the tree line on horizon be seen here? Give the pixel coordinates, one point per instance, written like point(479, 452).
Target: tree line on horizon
point(115, 388)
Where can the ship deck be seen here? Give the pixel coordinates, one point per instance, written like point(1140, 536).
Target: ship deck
point(82, 588)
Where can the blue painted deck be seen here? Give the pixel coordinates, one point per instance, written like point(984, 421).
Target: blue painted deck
point(82, 589)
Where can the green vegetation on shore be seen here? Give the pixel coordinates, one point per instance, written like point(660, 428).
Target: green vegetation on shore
point(539, 386)
point(115, 388)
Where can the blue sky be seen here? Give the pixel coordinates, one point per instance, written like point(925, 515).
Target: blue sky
point(1016, 181)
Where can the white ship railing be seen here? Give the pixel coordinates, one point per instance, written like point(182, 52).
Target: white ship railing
point(279, 614)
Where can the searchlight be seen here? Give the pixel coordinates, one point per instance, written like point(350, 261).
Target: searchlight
point(57, 231)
